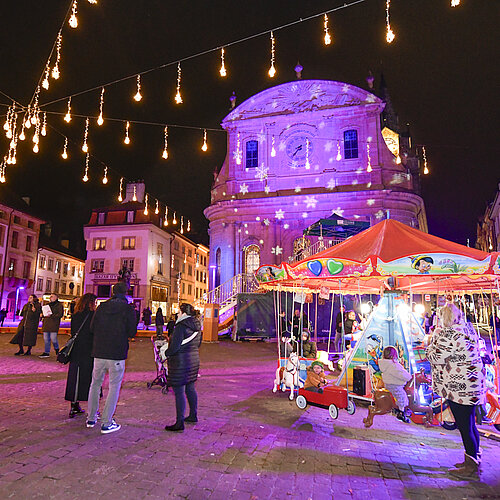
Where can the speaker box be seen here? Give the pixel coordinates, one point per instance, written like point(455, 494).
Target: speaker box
point(361, 381)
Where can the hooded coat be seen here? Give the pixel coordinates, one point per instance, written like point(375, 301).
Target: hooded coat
point(183, 360)
point(113, 324)
point(31, 318)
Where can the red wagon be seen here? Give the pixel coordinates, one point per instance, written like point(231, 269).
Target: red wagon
point(333, 397)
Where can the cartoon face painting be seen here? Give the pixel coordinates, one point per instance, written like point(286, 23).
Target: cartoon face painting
point(422, 263)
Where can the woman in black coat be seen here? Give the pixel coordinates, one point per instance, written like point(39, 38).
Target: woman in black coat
point(27, 329)
point(81, 362)
point(183, 364)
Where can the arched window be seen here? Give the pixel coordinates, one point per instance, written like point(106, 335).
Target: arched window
point(252, 259)
point(350, 144)
point(252, 154)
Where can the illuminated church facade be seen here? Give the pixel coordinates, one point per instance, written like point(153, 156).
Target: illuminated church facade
point(297, 153)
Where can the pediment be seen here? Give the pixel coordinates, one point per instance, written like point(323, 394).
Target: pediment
point(301, 96)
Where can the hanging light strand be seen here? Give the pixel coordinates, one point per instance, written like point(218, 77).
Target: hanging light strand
point(389, 36)
point(222, 70)
point(272, 69)
point(85, 147)
point(43, 131)
point(368, 159)
point(127, 137)
point(424, 157)
point(134, 197)
point(455, 3)
point(45, 81)
point(100, 119)
point(64, 154)
point(55, 70)
point(237, 153)
point(165, 145)
point(105, 176)
point(157, 207)
point(273, 149)
point(204, 147)
point(146, 204)
point(138, 95)
point(165, 222)
point(86, 173)
point(308, 164)
point(73, 20)
point(67, 116)
point(120, 194)
point(178, 97)
point(327, 38)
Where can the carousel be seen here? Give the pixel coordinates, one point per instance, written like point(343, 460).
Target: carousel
point(388, 269)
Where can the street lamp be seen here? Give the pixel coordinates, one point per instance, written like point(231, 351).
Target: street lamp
point(17, 299)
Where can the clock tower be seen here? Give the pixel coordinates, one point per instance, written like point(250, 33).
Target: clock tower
point(296, 153)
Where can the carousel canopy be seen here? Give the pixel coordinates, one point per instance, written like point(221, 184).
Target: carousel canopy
point(390, 255)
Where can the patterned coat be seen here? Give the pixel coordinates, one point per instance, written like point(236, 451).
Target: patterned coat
point(457, 370)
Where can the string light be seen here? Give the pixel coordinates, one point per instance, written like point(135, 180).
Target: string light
point(204, 147)
point(85, 147)
point(222, 70)
point(134, 197)
point(67, 116)
point(146, 204)
point(93, 2)
point(55, 69)
point(27, 117)
point(120, 195)
point(138, 95)
point(339, 154)
point(105, 176)
point(369, 160)
point(328, 38)
point(2, 172)
point(165, 147)
point(174, 220)
point(21, 135)
point(100, 120)
point(390, 36)
point(85, 175)
point(157, 208)
point(182, 232)
point(188, 226)
point(178, 97)
point(308, 165)
point(73, 21)
point(273, 149)
point(65, 149)
point(424, 155)
point(455, 3)
point(44, 125)
point(237, 153)
point(127, 138)
point(165, 222)
point(45, 82)
point(272, 69)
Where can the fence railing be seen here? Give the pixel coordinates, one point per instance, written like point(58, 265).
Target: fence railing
point(226, 293)
point(316, 247)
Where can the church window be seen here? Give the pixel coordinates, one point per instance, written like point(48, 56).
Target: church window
point(252, 154)
point(252, 259)
point(350, 144)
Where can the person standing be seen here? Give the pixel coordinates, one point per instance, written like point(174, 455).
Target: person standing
point(3, 315)
point(183, 361)
point(81, 362)
point(146, 317)
point(159, 322)
point(113, 325)
point(458, 376)
point(27, 329)
point(50, 325)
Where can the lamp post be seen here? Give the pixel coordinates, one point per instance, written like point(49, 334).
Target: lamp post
point(17, 299)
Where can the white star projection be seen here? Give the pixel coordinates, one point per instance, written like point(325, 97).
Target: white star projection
point(267, 189)
point(370, 98)
point(244, 188)
point(331, 184)
point(286, 226)
point(370, 202)
point(261, 172)
point(261, 137)
point(345, 88)
point(267, 222)
point(338, 211)
point(282, 146)
point(311, 202)
point(298, 189)
point(277, 250)
point(328, 146)
point(305, 215)
point(279, 214)
point(379, 214)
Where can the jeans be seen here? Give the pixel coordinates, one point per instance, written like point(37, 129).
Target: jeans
point(116, 370)
point(180, 401)
point(466, 423)
point(159, 330)
point(49, 337)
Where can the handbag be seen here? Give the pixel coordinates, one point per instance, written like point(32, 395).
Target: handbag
point(19, 336)
point(65, 353)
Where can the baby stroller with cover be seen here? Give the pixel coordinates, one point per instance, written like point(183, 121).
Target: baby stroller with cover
point(160, 344)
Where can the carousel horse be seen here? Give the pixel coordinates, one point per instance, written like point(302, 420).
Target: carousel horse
point(288, 376)
point(384, 401)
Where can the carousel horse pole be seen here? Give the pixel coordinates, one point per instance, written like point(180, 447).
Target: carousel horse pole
point(384, 401)
point(288, 376)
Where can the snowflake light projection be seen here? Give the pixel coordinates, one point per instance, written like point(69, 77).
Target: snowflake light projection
point(311, 202)
point(261, 172)
point(279, 214)
point(267, 222)
point(277, 250)
point(331, 184)
point(244, 188)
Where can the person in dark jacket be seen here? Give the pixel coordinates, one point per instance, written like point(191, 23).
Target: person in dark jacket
point(113, 325)
point(146, 317)
point(81, 362)
point(159, 322)
point(183, 364)
point(51, 324)
point(171, 325)
point(309, 349)
point(3, 315)
point(27, 329)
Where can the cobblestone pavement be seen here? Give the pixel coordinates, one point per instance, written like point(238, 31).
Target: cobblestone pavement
point(248, 444)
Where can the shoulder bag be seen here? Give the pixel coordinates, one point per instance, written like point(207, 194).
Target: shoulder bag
point(65, 353)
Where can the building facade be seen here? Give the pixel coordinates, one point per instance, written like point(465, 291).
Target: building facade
point(488, 227)
point(59, 272)
point(19, 234)
point(297, 153)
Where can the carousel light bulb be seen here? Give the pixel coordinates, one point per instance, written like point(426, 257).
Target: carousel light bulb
point(134, 197)
point(272, 69)
point(138, 95)
point(390, 36)
point(165, 146)
point(369, 161)
point(273, 149)
point(105, 177)
point(178, 97)
point(120, 197)
point(127, 138)
point(65, 149)
point(146, 205)
point(174, 220)
point(157, 207)
point(222, 70)
point(27, 123)
point(165, 222)
point(73, 21)
point(100, 120)
point(328, 38)
point(205, 146)
point(67, 117)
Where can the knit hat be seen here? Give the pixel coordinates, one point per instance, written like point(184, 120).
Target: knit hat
point(120, 288)
point(317, 363)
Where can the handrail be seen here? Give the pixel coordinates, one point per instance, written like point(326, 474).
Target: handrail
point(241, 283)
point(318, 246)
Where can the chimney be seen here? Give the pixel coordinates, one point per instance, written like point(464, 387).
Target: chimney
point(139, 188)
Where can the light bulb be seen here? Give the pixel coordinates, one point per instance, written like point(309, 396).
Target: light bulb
point(85, 148)
point(100, 120)
point(105, 177)
point(85, 178)
point(55, 72)
point(73, 21)
point(178, 98)
point(272, 71)
point(21, 135)
point(138, 96)
point(126, 140)
point(204, 147)
point(64, 155)
point(222, 70)
point(35, 148)
point(328, 38)
point(134, 198)
point(67, 117)
point(165, 154)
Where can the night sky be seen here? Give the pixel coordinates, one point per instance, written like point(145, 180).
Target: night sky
point(442, 72)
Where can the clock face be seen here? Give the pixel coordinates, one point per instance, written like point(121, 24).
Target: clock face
point(298, 147)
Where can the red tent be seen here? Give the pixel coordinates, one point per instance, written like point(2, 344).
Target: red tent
point(391, 255)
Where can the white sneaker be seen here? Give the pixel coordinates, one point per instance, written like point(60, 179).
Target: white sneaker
point(112, 427)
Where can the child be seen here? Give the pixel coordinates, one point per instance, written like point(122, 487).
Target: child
point(395, 377)
point(315, 377)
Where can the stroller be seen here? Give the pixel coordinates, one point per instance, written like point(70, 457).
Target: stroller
point(160, 344)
